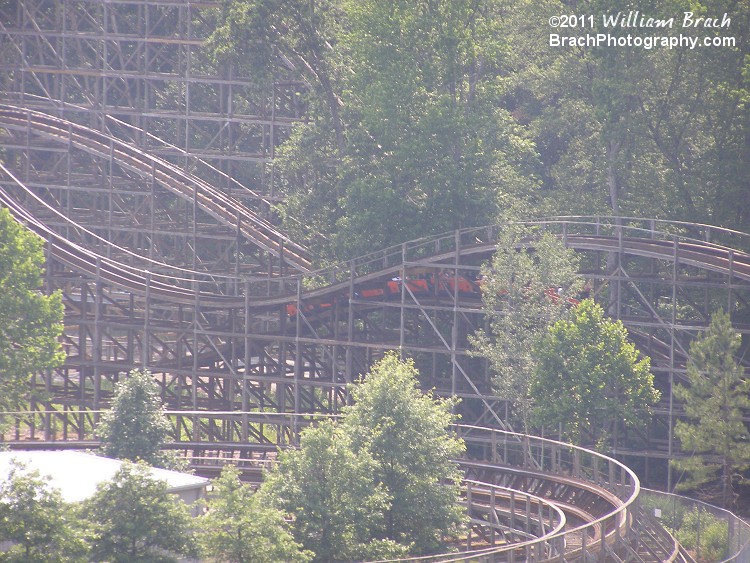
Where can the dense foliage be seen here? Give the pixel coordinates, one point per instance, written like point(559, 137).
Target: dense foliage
point(136, 428)
point(704, 535)
point(134, 518)
point(35, 518)
point(404, 120)
point(379, 484)
point(239, 527)
point(589, 378)
point(519, 308)
point(328, 490)
point(425, 115)
point(31, 321)
point(713, 432)
point(406, 433)
point(635, 131)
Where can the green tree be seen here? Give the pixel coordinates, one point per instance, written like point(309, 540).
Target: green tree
point(31, 321)
point(407, 434)
point(403, 115)
point(329, 491)
point(519, 308)
point(470, 98)
point(239, 528)
point(430, 147)
point(136, 428)
point(300, 40)
point(382, 482)
point(260, 37)
point(35, 518)
point(133, 518)
point(713, 432)
point(589, 378)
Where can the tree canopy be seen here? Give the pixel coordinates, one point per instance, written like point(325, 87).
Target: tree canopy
point(132, 518)
point(329, 491)
point(519, 308)
point(239, 527)
point(438, 115)
point(35, 518)
point(589, 378)
point(634, 131)
point(135, 427)
point(382, 482)
point(31, 321)
point(403, 120)
point(407, 434)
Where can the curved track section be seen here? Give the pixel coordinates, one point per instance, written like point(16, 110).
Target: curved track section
point(597, 495)
point(224, 209)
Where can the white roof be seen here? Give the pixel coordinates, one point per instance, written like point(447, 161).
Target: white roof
point(77, 474)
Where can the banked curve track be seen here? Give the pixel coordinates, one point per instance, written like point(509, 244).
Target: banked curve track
point(598, 496)
point(223, 208)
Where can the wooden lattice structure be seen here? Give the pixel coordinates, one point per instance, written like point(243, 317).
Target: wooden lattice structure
point(149, 172)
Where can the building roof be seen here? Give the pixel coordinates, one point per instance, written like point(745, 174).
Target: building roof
point(76, 474)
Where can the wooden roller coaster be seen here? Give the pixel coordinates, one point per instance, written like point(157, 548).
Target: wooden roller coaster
point(168, 261)
point(591, 518)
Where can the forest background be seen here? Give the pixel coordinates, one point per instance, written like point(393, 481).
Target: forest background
point(426, 116)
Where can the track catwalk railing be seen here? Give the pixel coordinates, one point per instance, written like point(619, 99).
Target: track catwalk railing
point(647, 236)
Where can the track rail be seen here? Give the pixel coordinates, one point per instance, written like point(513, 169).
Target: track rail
point(378, 265)
point(92, 264)
point(221, 207)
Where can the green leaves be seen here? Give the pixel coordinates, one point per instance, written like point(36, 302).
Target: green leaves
point(136, 428)
point(30, 322)
point(329, 491)
point(240, 526)
point(633, 131)
point(515, 289)
point(406, 433)
point(261, 37)
point(404, 117)
point(705, 535)
point(134, 518)
point(35, 518)
point(379, 484)
point(424, 116)
point(713, 432)
point(430, 146)
point(589, 378)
